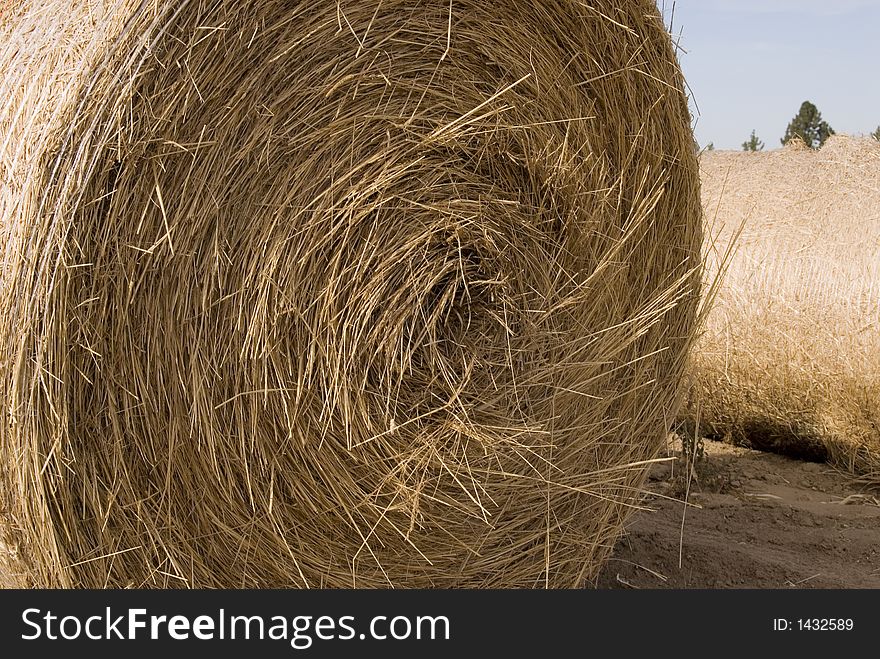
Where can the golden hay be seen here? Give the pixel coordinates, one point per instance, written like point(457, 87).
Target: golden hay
point(791, 357)
point(330, 295)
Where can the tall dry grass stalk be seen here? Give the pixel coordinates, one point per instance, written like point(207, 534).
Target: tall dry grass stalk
point(791, 357)
point(319, 294)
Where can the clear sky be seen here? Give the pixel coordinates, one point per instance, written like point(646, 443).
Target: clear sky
point(751, 63)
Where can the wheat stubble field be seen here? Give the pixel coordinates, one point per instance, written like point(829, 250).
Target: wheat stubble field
point(789, 364)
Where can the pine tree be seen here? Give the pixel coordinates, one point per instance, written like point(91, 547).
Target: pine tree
point(753, 143)
point(809, 126)
point(876, 133)
point(711, 146)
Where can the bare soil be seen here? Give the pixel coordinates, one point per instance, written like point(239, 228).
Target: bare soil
point(752, 520)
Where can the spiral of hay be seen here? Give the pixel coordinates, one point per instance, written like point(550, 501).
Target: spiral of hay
point(339, 294)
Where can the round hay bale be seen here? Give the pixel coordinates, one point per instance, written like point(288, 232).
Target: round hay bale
point(319, 294)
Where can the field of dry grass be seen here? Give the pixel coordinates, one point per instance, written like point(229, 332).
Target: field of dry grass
point(790, 360)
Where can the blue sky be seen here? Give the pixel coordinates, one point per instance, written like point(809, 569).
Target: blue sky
point(751, 63)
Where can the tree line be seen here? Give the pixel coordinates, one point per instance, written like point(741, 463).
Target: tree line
point(807, 126)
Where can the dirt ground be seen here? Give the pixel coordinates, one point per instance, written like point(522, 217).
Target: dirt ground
point(754, 520)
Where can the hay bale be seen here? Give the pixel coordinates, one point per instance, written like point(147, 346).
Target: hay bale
point(790, 360)
point(321, 294)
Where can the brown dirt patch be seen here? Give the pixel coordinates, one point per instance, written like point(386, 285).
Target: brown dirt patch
point(755, 520)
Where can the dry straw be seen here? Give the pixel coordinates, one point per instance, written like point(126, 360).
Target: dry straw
point(339, 294)
point(790, 360)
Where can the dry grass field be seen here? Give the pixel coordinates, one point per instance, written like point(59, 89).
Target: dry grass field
point(790, 359)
